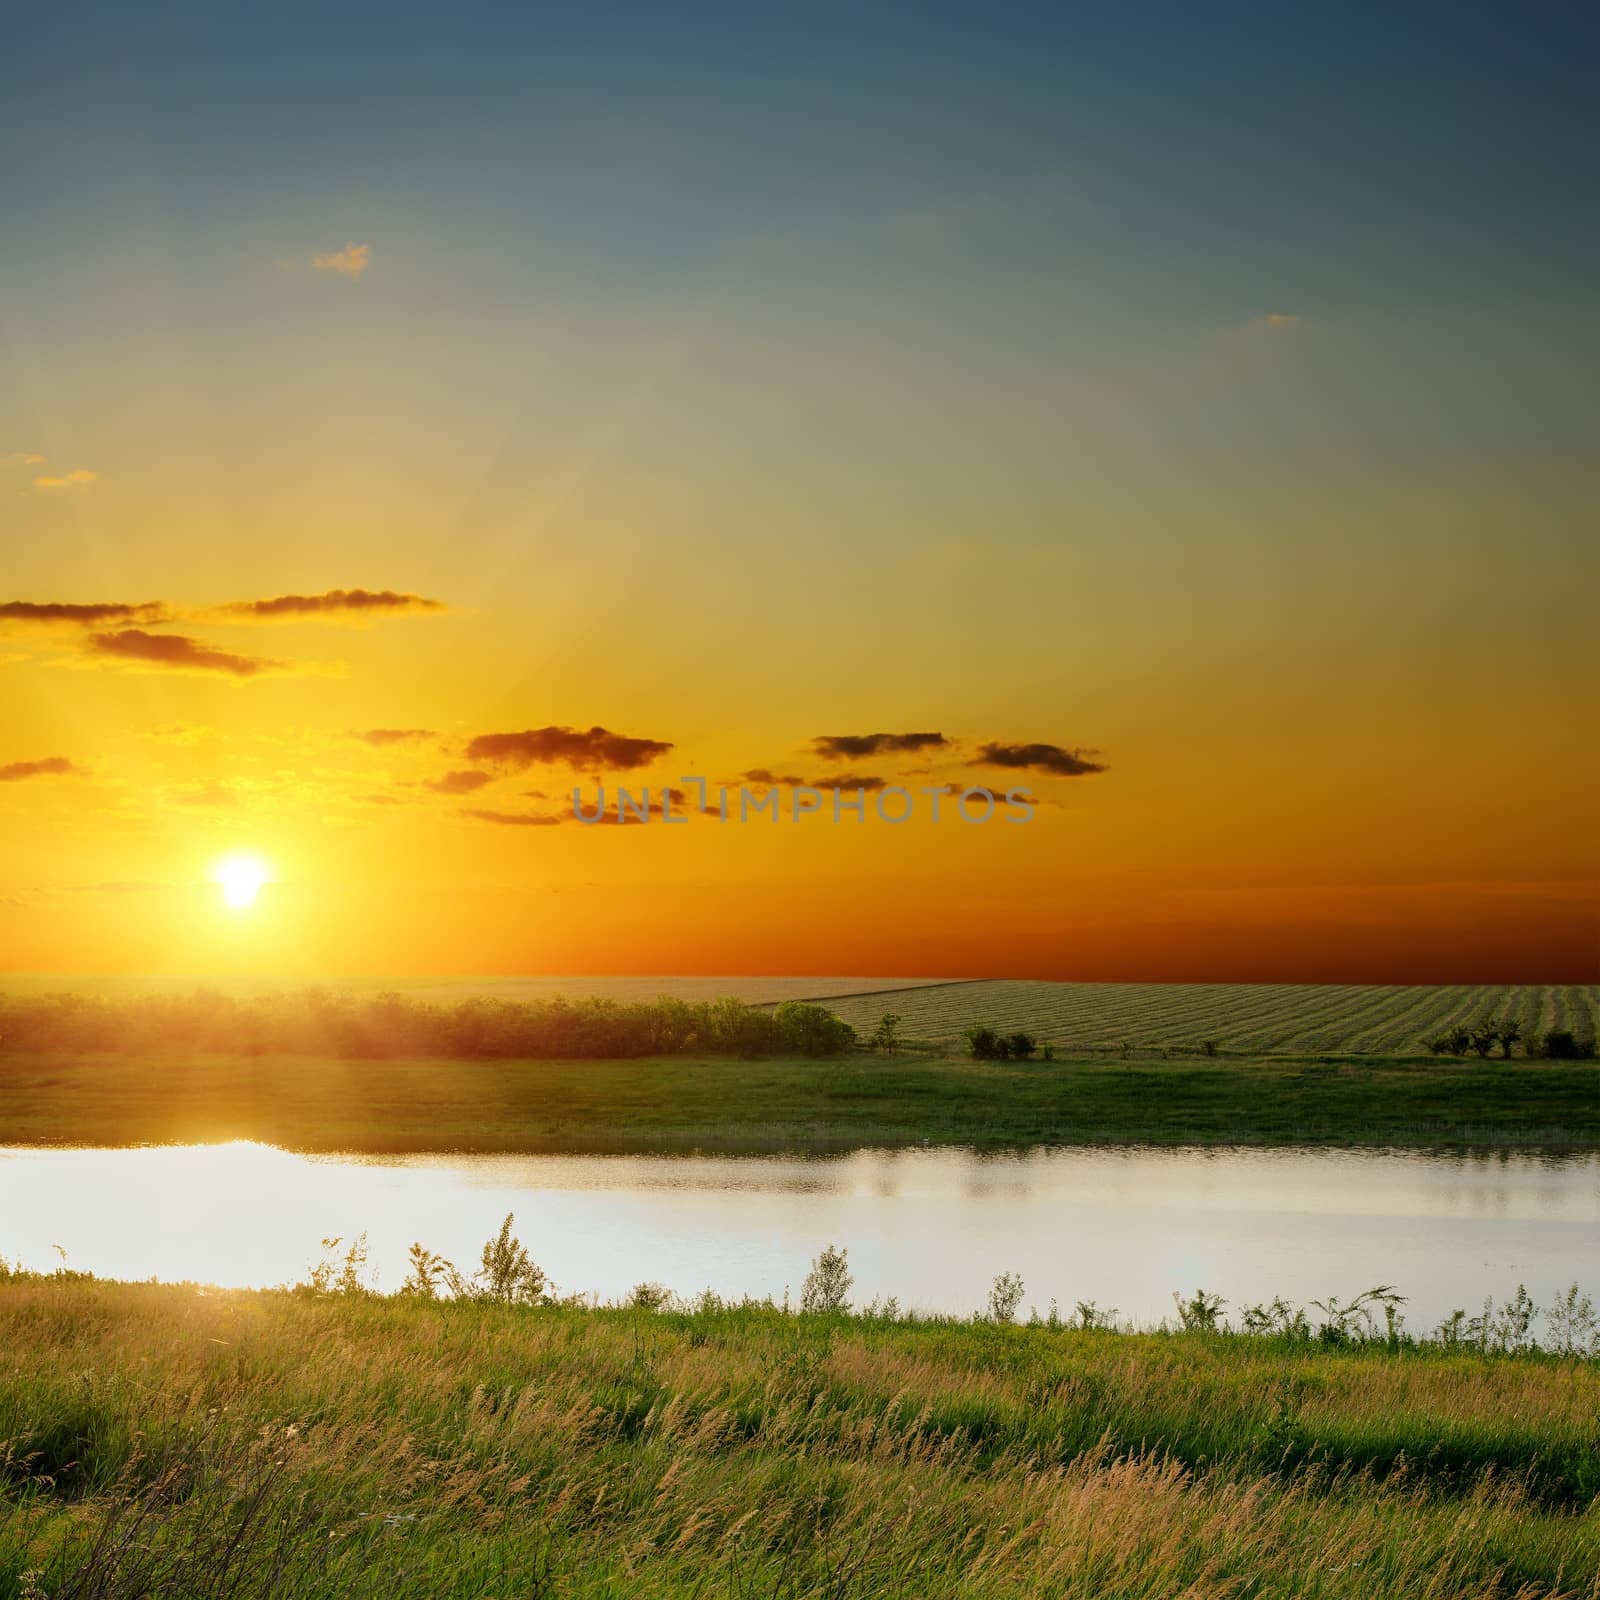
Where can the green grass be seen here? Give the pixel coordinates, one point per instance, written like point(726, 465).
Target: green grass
point(168, 1440)
point(308, 1103)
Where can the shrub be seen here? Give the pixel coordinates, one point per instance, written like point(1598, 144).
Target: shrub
point(1200, 1313)
point(827, 1285)
point(984, 1044)
point(1005, 1295)
point(886, 1036)
point(807, 1030)
point(1561, 1044)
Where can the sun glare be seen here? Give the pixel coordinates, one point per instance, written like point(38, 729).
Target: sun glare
point(241, 878)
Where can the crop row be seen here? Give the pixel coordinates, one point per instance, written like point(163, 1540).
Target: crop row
point(1291, 1018)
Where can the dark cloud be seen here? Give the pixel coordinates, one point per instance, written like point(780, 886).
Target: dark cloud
point(853, 746)
point(596, 748)
point(380, 799)
point(336, 603)
point(85, 614)
point(378, 737)
point(1052, 758)
point(178, 652)
point(49, 767)
point(511, 819)
point(458, 782)
point(848, 780)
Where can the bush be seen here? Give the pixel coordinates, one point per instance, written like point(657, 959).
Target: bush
point(827, 1285)
point(1561, 1044)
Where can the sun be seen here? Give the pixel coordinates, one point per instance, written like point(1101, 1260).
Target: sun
point(241, 878)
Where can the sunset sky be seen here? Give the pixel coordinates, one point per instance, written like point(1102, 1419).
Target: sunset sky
point(1187, 414)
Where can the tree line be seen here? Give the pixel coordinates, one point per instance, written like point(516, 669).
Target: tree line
point(321, 1023)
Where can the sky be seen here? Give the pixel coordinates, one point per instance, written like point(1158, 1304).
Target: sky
point(1183, 414)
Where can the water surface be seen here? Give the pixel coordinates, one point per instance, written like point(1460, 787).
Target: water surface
point(1121, 1227)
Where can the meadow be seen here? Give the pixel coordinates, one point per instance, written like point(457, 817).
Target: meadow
point(685, 1103)
point(176, 1440)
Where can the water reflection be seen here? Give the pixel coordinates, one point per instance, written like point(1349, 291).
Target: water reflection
point(1121, 1227)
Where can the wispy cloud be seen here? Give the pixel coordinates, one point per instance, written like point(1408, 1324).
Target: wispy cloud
point(464, 782)
point(84, 613)
point(47, 767)
point(177, 652)
point(854, 746)
point(845, 780)
point(587, 751)
point(78, 478)
point(512, 819)
point(1278, 320)
point(350, 262)
point(213, 795)
point(1052, 758)
point(380, 737)
point(333, 604)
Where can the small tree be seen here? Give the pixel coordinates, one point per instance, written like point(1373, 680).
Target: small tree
point(1021, 1046)
point(827, 1285)
point(1005, 1295)
point(505, 1272)
point(886, 1036)
point(1483, 1036)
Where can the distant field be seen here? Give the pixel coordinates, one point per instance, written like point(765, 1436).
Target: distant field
point(1296, 1019)
point(449, 989)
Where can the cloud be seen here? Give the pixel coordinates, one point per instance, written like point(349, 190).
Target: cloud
point(380, 799)
point(349, 262)
point(1278, 320)
point(178, 653)
point(85, 615)
point(853, 746)
point(379, 737)
point(597, 748)
point(21, 458)
point(79, 478)
point(1052, 758)
point(334, 603)
point(511, 819)
point(182, 733)
point(458, 782)
point(213, 794)
point(49, 767)
point(847, 780)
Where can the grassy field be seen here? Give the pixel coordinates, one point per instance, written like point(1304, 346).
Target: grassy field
point(171, 1441)
point(1267, 1019)
point(683, 1103)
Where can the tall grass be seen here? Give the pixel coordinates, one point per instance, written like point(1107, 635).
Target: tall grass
point(176, 1441)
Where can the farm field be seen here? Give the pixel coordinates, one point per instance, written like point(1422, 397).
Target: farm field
point(1289, 1019)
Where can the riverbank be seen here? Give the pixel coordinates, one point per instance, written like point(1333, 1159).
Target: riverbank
point(682, 1103)
point(353, 1446)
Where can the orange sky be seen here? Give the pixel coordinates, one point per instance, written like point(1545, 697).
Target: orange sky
point(1046, 392)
